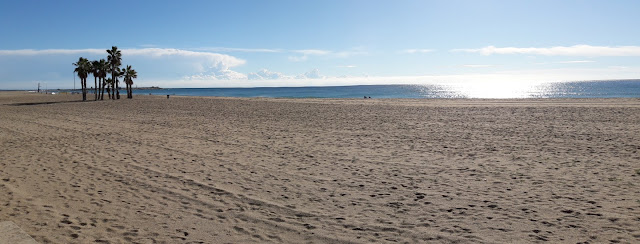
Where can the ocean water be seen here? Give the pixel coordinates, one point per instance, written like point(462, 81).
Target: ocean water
point(578, 89)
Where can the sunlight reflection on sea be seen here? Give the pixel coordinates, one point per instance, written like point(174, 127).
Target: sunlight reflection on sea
point(485, 89)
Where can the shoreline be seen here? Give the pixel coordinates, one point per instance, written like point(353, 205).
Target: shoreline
point(189, 169)
point(577, 89)
point(71, 97)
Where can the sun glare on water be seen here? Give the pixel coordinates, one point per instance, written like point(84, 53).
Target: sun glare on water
point(495, 89)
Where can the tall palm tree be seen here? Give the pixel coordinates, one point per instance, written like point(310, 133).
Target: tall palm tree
point(103, 67)
point(83, 68)
point(129, 75)
point(95, 70)
point(115, 59)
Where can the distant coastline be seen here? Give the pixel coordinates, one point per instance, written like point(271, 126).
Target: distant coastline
point(571, 89)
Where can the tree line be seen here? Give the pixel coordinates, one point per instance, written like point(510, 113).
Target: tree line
point(100, 69)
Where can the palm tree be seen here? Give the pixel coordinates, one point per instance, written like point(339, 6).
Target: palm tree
point(115, 59)
point(116, 91)
point(103, 67)
point(83, 68)
point(95, 70)
point(109, 84)
point(129, 75)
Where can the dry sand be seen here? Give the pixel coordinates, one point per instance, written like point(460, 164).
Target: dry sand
point(242, 170)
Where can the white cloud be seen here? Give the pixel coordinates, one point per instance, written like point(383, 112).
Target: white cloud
point(265, 74)
point(229, 61)
point(153, 52)
point(577, 50)
point(478, 65)
point(312, 52)
point(352, 52)
point(306, 53)
point(212, 66)
point(244, 50)
point(576, 62)
point(413, 51)
point(617, 67)
point(312, 74)
point(216, 74)
point(221, 60)
point(207, 65)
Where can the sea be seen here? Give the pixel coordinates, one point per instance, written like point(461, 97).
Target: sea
point(496, 90)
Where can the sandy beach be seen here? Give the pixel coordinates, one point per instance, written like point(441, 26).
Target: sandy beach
point(259, 170)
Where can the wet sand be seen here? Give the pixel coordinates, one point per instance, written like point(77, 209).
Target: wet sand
point(257, 170)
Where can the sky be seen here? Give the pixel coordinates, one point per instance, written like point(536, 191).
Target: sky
point(245, 43)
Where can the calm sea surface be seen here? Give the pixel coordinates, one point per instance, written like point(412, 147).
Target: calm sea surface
point(582, 89)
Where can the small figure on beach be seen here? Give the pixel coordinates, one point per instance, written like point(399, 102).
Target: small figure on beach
point(167, 96)
point(365, 97)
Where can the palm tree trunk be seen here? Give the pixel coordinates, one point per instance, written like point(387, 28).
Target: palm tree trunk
point(84, 89)
point(103, 86)
point(101, 90)
point(113, 78)
point(95, 87)
point(117, 90)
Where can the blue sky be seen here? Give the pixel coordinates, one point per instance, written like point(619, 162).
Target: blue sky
point(302, 43)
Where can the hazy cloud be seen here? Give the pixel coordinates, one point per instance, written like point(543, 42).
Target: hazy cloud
point(306, 53)
point(575, 62)
point(351, 52)
point(478, 65)
point(244, 50)
point(413, 51)
point(218, 75)
point(312, 52)
point(577, 50)
point(312, 74)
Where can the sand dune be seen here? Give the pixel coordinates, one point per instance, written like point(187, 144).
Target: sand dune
point(256, 170)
